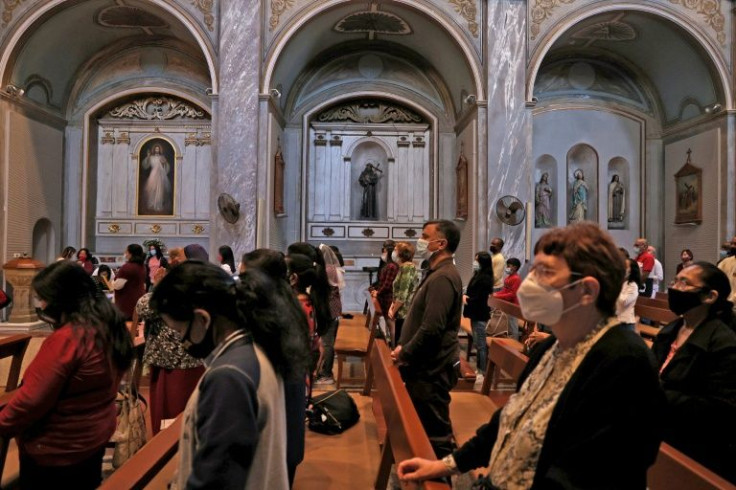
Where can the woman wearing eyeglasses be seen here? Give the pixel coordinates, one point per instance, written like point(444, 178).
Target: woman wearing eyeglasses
point(576, 419)
point(696, 355)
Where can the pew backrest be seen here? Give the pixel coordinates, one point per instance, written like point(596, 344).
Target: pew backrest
point(504, 356)
point(144, 465)
point(406, 437)
point(510, 309)
point(654, 302)
point(660, 315)
point(14, 346)
point(674, 470)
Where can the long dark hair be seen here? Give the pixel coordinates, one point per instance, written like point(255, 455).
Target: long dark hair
point(486, 266)
point(159, 253)
point(69, 291)
point(320, 292)
point(136, 253)
point(87, 255)
point(716, 280)
point(271, 262)
point(634, 272)
point(271, 314)
point(227, 257)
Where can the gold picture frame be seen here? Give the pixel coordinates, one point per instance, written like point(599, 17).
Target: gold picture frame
point(689, 193)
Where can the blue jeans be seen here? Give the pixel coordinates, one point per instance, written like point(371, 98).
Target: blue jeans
point(479, 338)
point(328, 342)
point(513, 327)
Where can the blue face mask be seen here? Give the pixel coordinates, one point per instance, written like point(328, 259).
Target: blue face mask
point(152, 252)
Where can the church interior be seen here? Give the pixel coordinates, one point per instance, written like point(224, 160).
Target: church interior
point(259, 123)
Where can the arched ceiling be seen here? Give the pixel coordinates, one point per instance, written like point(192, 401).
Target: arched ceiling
point(325, 35)
point(59, 45)
point(664, 57)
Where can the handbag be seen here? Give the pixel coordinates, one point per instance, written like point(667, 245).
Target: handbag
point(333, 413)
point(130, 434)
point(498, 324)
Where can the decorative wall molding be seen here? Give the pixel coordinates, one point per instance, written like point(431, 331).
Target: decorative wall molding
point(711, 10)
point(370, 112)
point(373, 21)
point(156, 108)
point(205, 6)
point(8, 7)
point(541, 11)
point(278, 7)
point(469, 12)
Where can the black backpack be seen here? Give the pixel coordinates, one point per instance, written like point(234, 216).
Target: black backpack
point(333, 413)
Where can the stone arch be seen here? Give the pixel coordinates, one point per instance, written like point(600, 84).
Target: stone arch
point(715, 57)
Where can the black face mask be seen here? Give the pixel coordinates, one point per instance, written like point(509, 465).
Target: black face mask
point(494, 250)
point(203, 348)
point(681, 302)
point(49, 315)
point(732, 251)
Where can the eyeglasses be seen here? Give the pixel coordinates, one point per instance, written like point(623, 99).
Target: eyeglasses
point(681, 281)
point(547, 273)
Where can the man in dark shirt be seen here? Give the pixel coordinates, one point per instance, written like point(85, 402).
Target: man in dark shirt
point(428, 347)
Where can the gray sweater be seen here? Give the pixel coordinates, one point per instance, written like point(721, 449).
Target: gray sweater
point(234, 429)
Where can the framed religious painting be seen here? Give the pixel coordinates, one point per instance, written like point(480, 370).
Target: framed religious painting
point(156, 161)
point(689, 193)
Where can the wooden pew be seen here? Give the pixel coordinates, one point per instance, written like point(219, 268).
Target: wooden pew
point(405, 437)
point(654, 310)
point(654, 302)
point(503, 355)
point(357, 342)
point(14, 346)
point(674, 470)
point(511, 309)
point(143, 467)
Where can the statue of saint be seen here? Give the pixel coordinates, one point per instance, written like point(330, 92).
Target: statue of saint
point(579, 198)
point(543, 199)
point(616, 200)
point(368, 179)
point(461, 173)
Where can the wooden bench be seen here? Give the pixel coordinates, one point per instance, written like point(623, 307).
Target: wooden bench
point(146, 464)
point(674, 470)
point(405, 437)
point(15, 347)
point(357, 342)
point(654, 310)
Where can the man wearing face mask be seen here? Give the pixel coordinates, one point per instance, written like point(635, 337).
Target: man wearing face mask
point(728, 266)
point(428, 347)
point(575, 421)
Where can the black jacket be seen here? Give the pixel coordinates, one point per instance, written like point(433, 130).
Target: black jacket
point(700, 384)
point(603, 432)
point(479, 288)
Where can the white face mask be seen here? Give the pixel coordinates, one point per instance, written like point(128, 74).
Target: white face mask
point(507, 270)
point(422, 250)
point(542, 304)
point(394, 256)
point(476, 265)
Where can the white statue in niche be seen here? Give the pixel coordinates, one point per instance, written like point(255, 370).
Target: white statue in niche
point(543, 200)
point(579, 198)
point(616, 200)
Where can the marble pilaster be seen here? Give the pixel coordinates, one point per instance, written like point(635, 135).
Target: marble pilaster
point(509, 121)
point(235, 116)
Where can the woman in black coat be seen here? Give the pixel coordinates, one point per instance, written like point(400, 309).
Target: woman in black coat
point(476, 305)
point(696, 355)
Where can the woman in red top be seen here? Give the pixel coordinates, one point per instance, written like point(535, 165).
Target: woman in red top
point(130, 281)
point(64, 412)
point(84, 258)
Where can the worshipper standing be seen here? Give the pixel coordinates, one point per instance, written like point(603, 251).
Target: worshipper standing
point(686, 259)
point(176, 256)
point(576, 419)
point(388, 246)
point(646, 265)
point(226, 259)
point(657, 274)
point(384, 289)
point(476, 306)
point(428, 347)
point(251, 334)
point(63, 414)
point(626, 301)
point(405, 285)
point(498, 263)
point(84, 258)
point(728, 266)
point(273, 264)
point(67, 253)
point(336, 280)
point(511, 284)
point(103, 279)
point(174, 373)
point(155, 260)
point(130, 281)
point(696, 355)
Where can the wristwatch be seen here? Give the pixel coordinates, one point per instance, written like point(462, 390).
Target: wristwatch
point(449, 462)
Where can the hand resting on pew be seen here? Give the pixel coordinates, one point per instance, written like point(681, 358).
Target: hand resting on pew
point(419, 469)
